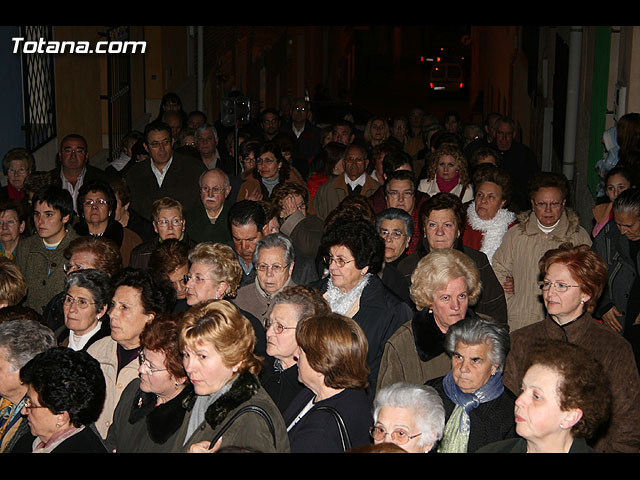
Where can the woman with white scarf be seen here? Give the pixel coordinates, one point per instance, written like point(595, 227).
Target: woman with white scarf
point(353, 253)
point(487, 218)
point(478, 407)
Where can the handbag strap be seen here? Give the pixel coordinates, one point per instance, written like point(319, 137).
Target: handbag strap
point(249, 408)
point(344, 434)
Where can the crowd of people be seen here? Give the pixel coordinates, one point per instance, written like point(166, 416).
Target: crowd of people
point(417, 285)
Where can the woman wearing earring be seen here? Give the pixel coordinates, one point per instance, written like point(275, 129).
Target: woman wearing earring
point(150, 411)
point(353, 253)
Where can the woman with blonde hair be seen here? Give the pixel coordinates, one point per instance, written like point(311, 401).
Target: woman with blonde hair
point(447, 172)
point(217, 344)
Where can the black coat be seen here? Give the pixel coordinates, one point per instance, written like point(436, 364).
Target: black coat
point(282, 386)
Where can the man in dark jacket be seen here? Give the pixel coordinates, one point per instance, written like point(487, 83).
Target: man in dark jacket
point(208, 222)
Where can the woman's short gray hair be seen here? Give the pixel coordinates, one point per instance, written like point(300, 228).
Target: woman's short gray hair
point(475, 330)
point(23, 339)
point(396, 214)
point(423, 400)
point(628, 202)
point(276, 240)
point(96, 281)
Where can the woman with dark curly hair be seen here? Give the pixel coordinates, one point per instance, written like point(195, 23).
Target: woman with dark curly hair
point(564, 399)
point(573, 278)
point(65, 393)
point(353, 253)
point(150, 411)
point(96, 210)
point(138, 297)
point(271, 169)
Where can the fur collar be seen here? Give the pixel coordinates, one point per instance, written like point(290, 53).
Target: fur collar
point(163, 420)
point(426, 335)
point(244, 387)
point(492, 230)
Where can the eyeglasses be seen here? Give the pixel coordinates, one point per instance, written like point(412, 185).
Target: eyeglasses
point(268, 161)
point(8, 223)
point(29, 405)
point(212, 190)
point(70, 267)
point(19, 171)
point(396, 193)
point(69, 150)
point(99, 202)
point(340, 262)
point(163, 143)
point(147, 366)
point(559, 286)
point(82, 303)
point(163, 222)
point(400, 437)
point(395, 234)
point(278, 328)
point(196, 279)
point(276, 268)
point(545, 205)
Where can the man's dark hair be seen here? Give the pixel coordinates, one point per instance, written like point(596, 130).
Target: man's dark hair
point(57, 197)
point(246, 212)
point(155, 126)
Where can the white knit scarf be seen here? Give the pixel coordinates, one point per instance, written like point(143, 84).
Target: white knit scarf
point(342, 302)
point(492, 230)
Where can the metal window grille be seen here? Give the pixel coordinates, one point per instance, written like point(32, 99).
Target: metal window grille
point(38, 91)
point(118, 91)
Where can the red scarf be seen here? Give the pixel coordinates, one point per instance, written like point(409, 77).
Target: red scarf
point(14, 193)
point(447, 185)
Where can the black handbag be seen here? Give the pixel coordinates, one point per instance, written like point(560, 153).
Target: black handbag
point(344, 434)
point(249, 408)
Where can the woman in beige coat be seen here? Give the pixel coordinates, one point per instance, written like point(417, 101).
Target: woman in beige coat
point(546, 226)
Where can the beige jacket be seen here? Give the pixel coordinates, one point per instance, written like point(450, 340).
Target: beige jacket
point(522, 247)
point(104, 350)
point(332, 192)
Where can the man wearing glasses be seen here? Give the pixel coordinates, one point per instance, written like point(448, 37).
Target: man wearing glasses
point(74, 169)
point(208, 222)
point(165, 174)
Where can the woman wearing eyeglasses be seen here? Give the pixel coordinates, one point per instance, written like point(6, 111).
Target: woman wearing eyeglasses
point(65, 393)
point(547, 225)
point(150, 409)
point(573, 278)
point(279, 375)
point(408, 415)
point(13, 224)
point(96, 210)
point(353, 253)
point(87, 295)
point(138, 296)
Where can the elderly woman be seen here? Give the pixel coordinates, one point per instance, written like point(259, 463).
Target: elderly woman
point(215, 274)
point(487, 218)
point(82, 253)
point(442, 218)
point(13, 286)
point(65, 393)
point(273, 259)
point(217, 344)
point(546, 226)
point(444, 285)
point(17, 164)
point(478, 409)
point(279, 376)
point(353, 254)
point(168, 222)
point(291, 201)
point(573, 279)
point(13, 225)
point(447, 172)
point(21, 339)
point(96, 211)
point(271, 169)
point(150, 411)
point(619, 179)
point(332, 364)
point(409, 416)
point(565, 397)
point(170, 260)
point(138, 297)
point(87, 296)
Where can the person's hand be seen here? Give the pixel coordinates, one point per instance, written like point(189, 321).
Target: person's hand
point(610, 319)
point(508, 286)
point(204, 447)
point(289, 206)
